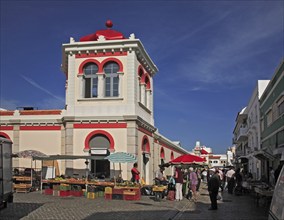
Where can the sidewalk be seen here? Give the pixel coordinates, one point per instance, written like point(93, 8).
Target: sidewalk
point(37, 206)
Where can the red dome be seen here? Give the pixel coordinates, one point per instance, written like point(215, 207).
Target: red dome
point(108, 34)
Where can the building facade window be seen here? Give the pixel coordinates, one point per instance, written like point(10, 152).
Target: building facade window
point(281, 106)
point(111, 79)
point(91, 80)
point(269, 118)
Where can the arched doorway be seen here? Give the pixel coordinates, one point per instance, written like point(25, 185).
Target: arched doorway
point(145, 160)
point(99, 144)
point(162, 156)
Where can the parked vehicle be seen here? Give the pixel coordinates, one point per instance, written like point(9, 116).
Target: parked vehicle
point(276, 211)
point(6, 178)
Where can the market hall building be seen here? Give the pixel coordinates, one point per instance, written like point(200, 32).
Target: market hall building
point(108, 108)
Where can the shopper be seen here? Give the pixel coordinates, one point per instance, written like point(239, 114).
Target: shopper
point(213, 187)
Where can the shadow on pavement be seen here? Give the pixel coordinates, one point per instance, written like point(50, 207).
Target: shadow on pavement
point(130, 215)
point(16, 211)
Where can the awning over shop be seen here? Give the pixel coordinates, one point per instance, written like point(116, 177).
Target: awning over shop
point(263, 155)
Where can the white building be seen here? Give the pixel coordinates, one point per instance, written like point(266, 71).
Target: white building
point(253, 126)
point(109, 108)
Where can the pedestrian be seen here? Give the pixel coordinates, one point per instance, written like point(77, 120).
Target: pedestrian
point(230, 175)
point(193, 183)
point(213, 187)
point(179, 181)
point(198, 173)
point(271, 176)
point(159, 176)
point(135, 173)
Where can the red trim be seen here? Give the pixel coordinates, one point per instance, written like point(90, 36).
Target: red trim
point(114, 60)
point(162, 153)
point(40, 128)
point(140, 69)
point(148, 84)
point(7, 128)
point(214, 157)
point(101, 125)
point(6, 113)
point(81, 71)
point(172, 156)
point(93, 133)
point(145, 131)
point(106, 54)
point(5, 135)
point(40, 112)
point(147, 147)
point(170, 148)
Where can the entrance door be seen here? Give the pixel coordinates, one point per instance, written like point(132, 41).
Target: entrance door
point(145, 166)
point(100, 168)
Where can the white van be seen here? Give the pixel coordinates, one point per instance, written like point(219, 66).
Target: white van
point(276, 211)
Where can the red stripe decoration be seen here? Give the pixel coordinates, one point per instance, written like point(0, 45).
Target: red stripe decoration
point(101, 125)
point(40, 128)
point(40, 112)
point(6, 128)
point(106, 54)
point(6, 113)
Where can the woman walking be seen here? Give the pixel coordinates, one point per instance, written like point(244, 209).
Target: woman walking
point(193, 183)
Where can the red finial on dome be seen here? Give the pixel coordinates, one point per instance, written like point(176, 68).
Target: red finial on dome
point(109, 23)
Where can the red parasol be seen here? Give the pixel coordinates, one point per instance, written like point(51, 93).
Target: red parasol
point(187, 159)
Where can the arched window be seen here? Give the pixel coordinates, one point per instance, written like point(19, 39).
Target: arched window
point(91, 80)
point(111, 79)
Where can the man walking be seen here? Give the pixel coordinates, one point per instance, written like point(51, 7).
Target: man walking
point(213, 187)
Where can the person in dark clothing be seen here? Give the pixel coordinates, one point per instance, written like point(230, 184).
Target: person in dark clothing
point(213, 187)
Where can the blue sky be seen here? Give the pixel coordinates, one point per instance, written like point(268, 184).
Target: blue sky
point(209, 55)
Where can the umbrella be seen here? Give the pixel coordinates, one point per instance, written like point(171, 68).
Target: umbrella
point(121, 157)
point(30, 154)
point(188, 159)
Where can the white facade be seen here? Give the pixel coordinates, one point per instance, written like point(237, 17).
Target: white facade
point(253, 126)
point(109, 108)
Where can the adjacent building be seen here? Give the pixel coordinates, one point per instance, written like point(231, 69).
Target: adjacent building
point(259, 128)
point(272, 122)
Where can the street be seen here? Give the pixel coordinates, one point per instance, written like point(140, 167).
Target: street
point(35, 205)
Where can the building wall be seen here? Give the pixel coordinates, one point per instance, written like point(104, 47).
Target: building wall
point(272, 130)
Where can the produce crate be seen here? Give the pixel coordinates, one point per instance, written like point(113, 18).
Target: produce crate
point(117, 190)
point(65, 187)
point(48, 191)
point(91, 195)
point(131, 195)
point(108, 196)
point(108, 190)
point(101, 193)
point(64, 193)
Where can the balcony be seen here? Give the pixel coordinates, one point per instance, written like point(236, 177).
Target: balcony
point(242, 135)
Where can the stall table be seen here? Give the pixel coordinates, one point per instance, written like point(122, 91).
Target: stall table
point(263, 194)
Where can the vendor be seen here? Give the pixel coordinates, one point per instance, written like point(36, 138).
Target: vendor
point(159, 176)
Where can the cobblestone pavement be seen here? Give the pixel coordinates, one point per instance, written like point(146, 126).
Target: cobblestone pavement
point(37, 206)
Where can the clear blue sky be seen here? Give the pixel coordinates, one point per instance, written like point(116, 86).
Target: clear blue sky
point(209, 55)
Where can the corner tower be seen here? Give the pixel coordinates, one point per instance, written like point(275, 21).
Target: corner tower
point(108, 75)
